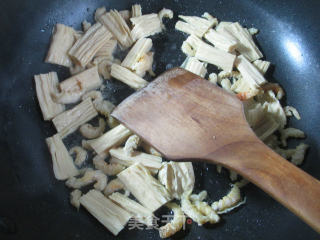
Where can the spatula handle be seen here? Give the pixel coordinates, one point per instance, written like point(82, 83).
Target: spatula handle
point(292, 187)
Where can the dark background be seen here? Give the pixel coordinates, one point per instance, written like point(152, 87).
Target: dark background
point(33, 205)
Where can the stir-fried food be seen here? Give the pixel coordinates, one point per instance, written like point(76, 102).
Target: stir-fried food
point(114, 173)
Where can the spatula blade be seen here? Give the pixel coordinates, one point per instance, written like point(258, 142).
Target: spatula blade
point(183, 115)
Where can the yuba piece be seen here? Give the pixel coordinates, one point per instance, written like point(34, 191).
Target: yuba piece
point(125, 14)
point(244, 89)
point(262, 66)
point(215, 56)
point(139, 49)
point(195, 66)
point(70, 120)
point(113, 217)
point(221, 41)
point(246, 45)
point(136, 10)
point(47, 87)
point(110, 139)
point(139, 181)
point(190, 45)
point(249, 72)
point(220, 27)
point(89, 44)
point(117, 26)
point(260, 121)
point(273, 106)
point(140, 213)
point(63, 37)
point(195, 25)
point(74, 87)
point(107, 49)
point(144, 65)
point(149, 161)
point(145, 25)
point(177, 177)
point(63, 166)
point(126, 76)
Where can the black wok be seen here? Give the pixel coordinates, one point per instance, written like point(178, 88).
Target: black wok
point(34, 205)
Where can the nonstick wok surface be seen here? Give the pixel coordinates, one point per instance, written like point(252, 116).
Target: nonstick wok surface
point(34, 205)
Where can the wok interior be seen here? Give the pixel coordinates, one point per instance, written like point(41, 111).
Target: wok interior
point(35, 205)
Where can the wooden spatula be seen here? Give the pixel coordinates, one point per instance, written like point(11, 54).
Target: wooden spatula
point(187, 118)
